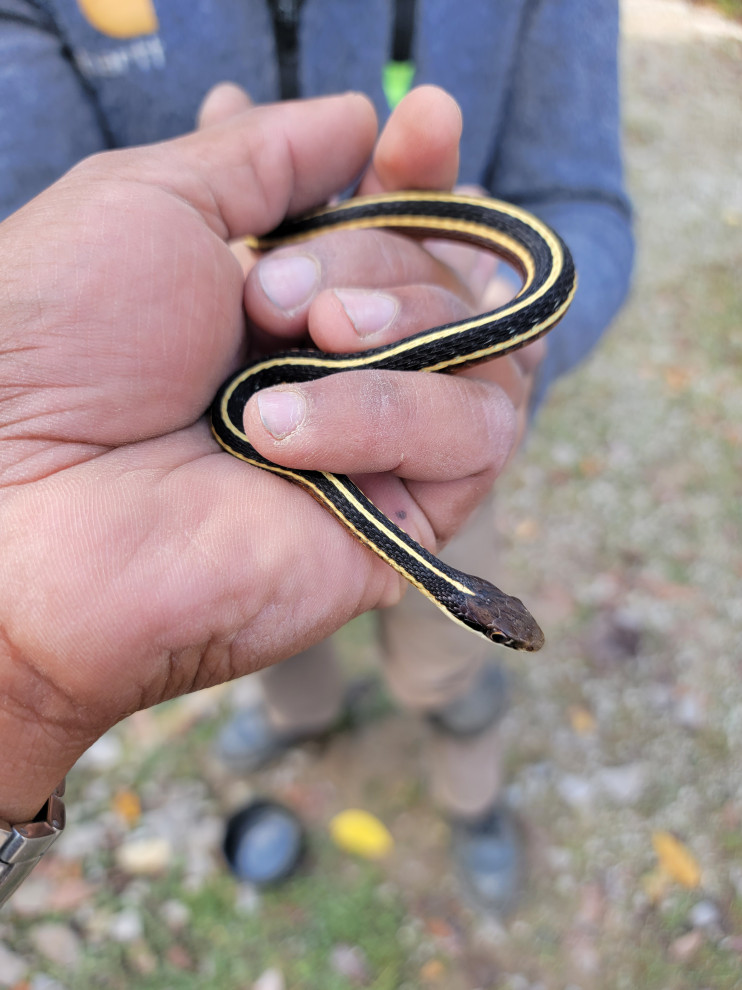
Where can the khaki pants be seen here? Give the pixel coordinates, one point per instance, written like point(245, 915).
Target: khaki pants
point(429, 662)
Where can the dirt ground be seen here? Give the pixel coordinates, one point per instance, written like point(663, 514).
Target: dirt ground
point(621, 526)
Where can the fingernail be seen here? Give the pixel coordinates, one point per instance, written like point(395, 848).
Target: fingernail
point(289, 282)
point(281, 411)
point(369, 312)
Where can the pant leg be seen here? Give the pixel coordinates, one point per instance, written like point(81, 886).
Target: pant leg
point(430, 662)
point(305, 693)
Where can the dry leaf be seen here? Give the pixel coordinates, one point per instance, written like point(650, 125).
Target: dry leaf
point(590, 467)
point(582, 720)
point(432, 971)
point(676, 859)
point(686, 947)
point(527, 530)
point(677, 378)
point(127, 806)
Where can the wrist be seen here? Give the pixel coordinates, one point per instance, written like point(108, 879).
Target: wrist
point(25, 783)
point(22, 844)
point(33, 764)
point(36, 748)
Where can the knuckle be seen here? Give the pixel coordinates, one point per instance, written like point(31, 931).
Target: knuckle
point(385, 400)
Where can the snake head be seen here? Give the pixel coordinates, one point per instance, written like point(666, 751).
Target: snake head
point(500, 617)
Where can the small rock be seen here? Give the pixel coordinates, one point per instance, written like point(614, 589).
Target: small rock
point(70, 894)
point(735, 877)
point(247, 899)
point(583, 952)
point(592, 906)
point(683, 949)
point(141, 959)
point(559, 859)
point(200, 865)
point(32, 897)
point(690, 710)
point(105, 753)
point(705, 915)
point(516, 981)
point(81, 841)
point(135, 893)
point(179, 957)
point(350, 962)
point(613, 638)
point(58, 943)
point(126, 926)
point(13, 968)
point(144, 856)
point(578, 792)
point(175, 914)
point(44, 982)
point(271, 979)
point(624, 785)
point(96, 924)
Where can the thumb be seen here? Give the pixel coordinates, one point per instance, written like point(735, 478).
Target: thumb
point(220, 103)
point(419, 146)
point(247, 172)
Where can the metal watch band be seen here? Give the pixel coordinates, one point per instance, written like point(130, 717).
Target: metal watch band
point(22, 846)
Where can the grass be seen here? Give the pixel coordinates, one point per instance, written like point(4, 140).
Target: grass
point(295, 930)
point(730, 8)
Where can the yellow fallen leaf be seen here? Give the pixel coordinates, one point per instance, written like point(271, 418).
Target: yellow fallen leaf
point(527, 530)
point(359, 832)
point(126, 804)
point(676, 859)
point(582, 720)
point(677, 379)
point(432, 971)
point(591, 466)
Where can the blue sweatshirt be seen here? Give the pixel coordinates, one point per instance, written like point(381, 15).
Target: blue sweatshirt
point(536, 81)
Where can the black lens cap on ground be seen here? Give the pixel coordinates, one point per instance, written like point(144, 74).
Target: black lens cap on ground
point(264, 842)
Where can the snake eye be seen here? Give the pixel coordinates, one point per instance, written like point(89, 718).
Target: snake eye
point(500, 617)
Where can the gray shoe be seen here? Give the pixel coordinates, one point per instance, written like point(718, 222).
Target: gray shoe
point(490, 859)
point(249, 742)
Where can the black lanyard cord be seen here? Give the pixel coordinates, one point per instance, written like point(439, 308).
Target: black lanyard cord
point(404, 30)
point(285, 14)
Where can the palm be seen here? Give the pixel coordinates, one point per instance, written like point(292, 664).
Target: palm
point(128, 539)
point(136, 538)
point(150, 329)
point(143, 561)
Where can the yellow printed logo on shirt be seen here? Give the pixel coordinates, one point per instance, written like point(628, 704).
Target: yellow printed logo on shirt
point(120, 18)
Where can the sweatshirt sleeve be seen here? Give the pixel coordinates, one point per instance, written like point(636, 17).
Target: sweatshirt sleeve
point(559, 155)
point(41, 93)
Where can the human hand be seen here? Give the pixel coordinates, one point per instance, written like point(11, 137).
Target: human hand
point(493, 284)
point(351, 291)
point(139, 561)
